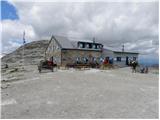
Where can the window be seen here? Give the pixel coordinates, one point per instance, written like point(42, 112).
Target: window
point(57, 47)
point(134, 58)
point(84, 60)
point(119, 59)
point(101, 59)
point(95, 59)
point(90, 45)
point(94, 46)
point(100, 46)
point(107, 58)
point(78, 60)
point(80, 45)
point(87, 46)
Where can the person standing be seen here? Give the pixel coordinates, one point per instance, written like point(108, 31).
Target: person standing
point(134, 65)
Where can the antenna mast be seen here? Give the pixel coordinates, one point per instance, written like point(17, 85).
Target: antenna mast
point(93, 39)
point(123, 48)
point(23, 48)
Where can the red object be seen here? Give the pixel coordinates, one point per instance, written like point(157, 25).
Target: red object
point(106, 61)
point(50, 63)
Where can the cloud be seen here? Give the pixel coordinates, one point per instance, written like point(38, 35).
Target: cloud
point(12, 34)
point(114, 24)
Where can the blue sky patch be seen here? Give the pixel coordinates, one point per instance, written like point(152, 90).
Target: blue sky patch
point(8, 11)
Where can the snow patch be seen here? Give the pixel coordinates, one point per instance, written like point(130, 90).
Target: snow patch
point(143, 90)
point(91, 71)
point(111, 75)
point(8, 102)
point(49, 102)
point(68, 71)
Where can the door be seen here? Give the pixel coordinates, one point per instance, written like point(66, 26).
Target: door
point(127, 60)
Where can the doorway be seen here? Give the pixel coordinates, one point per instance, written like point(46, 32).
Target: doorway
point(127, 63)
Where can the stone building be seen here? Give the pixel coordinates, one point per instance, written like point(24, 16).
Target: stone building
point(64, 51)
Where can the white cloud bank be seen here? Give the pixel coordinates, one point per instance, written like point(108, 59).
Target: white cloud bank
point(114, 24)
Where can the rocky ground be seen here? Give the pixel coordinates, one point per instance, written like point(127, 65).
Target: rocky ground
point(91, 93)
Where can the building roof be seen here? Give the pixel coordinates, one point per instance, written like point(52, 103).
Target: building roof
point(63, 41)
point(82, 40)
point(118, 50)
point(110, 48)
point(129, 52)
point(74, 44)
point(68, 43)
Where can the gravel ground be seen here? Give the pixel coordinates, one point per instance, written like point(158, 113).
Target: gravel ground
point(73, 93)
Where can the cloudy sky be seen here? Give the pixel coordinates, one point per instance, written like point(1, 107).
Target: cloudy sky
point(134, 24)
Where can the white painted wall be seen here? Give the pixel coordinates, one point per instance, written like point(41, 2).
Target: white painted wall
point(123, 56)
point(107, 53)
point(114, 55)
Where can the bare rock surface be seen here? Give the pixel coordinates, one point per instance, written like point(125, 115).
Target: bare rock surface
point(91, 93)
point(33, 52)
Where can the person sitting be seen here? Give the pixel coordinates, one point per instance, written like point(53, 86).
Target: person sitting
point(142, 70)
point(146, 70)
point(77, 60)
point(106, 61)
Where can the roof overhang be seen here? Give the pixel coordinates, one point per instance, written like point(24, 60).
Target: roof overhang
point(98, 50)
point(126, 52)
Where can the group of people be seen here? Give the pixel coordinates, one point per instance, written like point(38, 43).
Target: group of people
point(134, 65)
point(85, 60)
point(95, 60)
point(144, 69)
point(105, 61)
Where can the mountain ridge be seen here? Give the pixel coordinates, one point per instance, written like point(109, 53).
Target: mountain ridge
point(33, 53)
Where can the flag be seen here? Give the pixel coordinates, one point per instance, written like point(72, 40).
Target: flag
point(24, 41)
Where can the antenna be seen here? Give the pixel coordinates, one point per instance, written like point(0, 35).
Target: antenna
point(24, 41)
point(93, 39)
point(23, 48)
point(123, 48)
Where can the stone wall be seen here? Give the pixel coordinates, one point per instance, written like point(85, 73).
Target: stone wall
point(70, 56)
point(53, 52)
